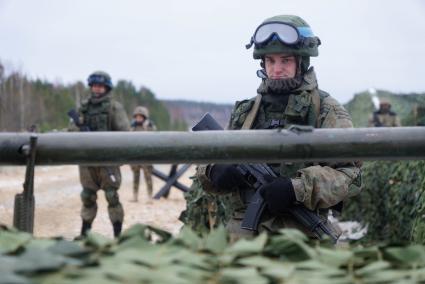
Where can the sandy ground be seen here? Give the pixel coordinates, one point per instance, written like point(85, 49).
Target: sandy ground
point(57, 198)
point(58, 202)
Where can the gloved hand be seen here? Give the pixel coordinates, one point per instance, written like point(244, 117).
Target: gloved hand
point(278, 194)
point(226, 177)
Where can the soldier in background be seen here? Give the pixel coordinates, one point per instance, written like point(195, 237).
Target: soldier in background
point(142, 122)
point(101, 113)
point(419, 115)
point(384, 117)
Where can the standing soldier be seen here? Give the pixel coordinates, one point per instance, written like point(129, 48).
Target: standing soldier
point(384, 117)
point(141, 122)
point(288, 94)
point(101, 113)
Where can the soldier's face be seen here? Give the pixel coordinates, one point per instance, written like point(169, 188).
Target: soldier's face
point(139, 118)
point(280, 66)
point(98, 89)
point(385, 107)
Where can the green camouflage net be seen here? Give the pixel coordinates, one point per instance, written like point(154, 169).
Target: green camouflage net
point(144, 254)
point(203, 210)
point(392, 202)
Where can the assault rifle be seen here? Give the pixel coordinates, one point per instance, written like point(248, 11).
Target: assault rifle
point(255, 176)
point(73, 114)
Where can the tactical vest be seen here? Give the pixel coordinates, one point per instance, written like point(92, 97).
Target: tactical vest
point(97, 116)
point(301, 109)
point(377, 121)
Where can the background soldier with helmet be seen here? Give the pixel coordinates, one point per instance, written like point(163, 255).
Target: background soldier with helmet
point(384, 116)
point(142, 122)
point(101, 113)
point(288, 95)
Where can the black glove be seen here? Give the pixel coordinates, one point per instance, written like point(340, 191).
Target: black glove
point(226, 177)
point(278, 194)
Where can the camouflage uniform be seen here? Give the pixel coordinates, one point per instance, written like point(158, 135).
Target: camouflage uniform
point(317, 185)
point(102, 114)
point(147, 125)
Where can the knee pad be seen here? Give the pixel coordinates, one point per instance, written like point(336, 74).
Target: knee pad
point(88, 197)
point(112, 197)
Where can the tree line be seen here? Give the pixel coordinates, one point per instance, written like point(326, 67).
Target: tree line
point(25, 102)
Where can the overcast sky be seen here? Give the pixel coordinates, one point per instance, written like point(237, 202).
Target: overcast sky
point(191, 49)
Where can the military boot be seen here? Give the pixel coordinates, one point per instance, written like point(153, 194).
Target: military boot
point(85, 228)
point(117, 228)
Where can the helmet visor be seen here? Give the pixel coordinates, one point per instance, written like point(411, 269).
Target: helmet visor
point(286, 33)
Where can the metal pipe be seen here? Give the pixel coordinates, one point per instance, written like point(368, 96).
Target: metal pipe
point(242, 146)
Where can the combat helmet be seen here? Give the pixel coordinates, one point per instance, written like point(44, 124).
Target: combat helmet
point(284, 34)
point(102, 78)
point(384, 102)
point(141, 110)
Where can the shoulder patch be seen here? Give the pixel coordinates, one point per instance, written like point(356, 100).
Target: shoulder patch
point(243, 106)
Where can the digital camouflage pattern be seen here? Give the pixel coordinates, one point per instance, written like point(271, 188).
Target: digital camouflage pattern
point(286, 257)
point(317, 186)
point(102, 114)
point(147, 125)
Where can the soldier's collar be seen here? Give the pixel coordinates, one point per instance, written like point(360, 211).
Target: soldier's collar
point(97, 100)
point(309, 81)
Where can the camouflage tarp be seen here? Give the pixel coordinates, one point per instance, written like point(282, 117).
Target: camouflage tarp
point(147, 255)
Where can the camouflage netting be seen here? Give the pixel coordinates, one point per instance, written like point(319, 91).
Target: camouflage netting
point(287, 257)
point(392, 202)
point(204, 211)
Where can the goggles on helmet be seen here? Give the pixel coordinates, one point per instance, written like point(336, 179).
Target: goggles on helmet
point(97, 79)
point(284, 32)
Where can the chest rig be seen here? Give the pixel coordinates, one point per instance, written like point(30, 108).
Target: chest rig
point(284, 110)
point(97, 116)
point(266, 112)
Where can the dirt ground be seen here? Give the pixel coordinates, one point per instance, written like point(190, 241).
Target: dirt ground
point(57, 198)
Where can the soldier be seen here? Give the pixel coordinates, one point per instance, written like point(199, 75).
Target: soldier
point(141, 122)
point(384, 117)
point(101, 113)
point(288, 94)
